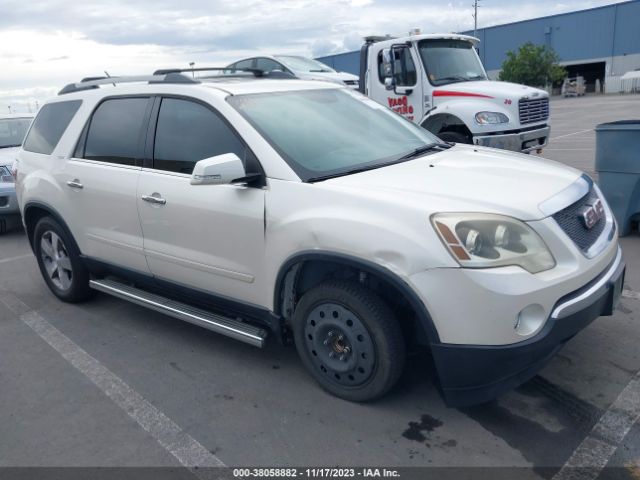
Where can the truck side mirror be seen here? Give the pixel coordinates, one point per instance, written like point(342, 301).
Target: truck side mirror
point(388, 69)
point(218, 170)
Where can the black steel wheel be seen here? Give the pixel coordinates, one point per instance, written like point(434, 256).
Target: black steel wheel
point(349, 340)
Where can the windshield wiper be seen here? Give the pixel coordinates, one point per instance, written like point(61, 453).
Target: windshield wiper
point(348, 172)
point(453, 78)
point(320, 71)
point(10, 146)
point(416, 152)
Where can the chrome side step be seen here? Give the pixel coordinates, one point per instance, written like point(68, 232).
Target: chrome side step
point(217, 323)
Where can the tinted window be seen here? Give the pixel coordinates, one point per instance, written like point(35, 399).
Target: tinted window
point(48, 127)
point(115, 131)
point(404, 68)
point(188, 132)
point(12, 131)
point(243, 64)
point(267, 65)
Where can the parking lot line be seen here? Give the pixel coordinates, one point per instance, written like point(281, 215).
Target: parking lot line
point(184, 448)
point(19, 257)
point(570, 134)
point(631, 294)
point(595, 451)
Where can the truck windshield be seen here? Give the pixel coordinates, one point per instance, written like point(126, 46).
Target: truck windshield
point(449, 61)
point(12, 131)
point(331, 132)
point(303, 64)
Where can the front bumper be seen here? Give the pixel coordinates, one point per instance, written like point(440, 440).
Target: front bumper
point(472, 374)
point(9, 210)
point(517, 142)
point(8, 200)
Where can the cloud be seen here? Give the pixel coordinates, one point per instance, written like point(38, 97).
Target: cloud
point(45, 44)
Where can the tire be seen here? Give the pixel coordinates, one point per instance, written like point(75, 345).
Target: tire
point(349, 340)
point(59, 260)
point(455, 137)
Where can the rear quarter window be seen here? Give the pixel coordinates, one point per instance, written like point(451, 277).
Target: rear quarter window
point(49, 125)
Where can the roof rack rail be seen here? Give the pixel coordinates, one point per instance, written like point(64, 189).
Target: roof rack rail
point(169, 75)
point(90, 83)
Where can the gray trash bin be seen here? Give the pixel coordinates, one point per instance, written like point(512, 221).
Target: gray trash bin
point(618, 167)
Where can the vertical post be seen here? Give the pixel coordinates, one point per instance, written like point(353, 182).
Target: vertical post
point(475, 18)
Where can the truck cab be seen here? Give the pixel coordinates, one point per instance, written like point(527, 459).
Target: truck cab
point(439, 82)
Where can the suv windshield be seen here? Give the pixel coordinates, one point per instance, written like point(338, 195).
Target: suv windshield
point(303, 64)
point(12, 131)
point(449, 61)
point(331, 132)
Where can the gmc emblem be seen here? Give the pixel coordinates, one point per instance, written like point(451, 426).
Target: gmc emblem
point(591, 214)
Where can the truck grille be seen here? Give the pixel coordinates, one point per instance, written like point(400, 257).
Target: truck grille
point(533, 110)
point(570, 220)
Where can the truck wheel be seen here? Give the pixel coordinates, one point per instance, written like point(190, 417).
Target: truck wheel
point(455, 137)
point(349, 340)
point(59, 261)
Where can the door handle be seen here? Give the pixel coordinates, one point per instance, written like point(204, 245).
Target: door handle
point(75, 183)
point(156, 200)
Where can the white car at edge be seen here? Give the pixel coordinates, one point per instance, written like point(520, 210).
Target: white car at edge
point(13, 128)
point(255, 207)
point(300, 67)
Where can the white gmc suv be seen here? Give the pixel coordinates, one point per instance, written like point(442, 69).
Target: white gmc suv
point(255, 206)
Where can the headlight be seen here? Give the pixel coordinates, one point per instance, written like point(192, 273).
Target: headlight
point(479, 240)
point(485, 118)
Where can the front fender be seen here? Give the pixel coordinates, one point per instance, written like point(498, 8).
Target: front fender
point(465, 110)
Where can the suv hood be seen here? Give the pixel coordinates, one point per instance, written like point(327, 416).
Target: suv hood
point(467, 179)
point(8, 155)
point(493, 89)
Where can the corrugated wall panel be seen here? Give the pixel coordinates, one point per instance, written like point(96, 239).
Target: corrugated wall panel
point(597, 33)
point(627, 37)
point(343, 62)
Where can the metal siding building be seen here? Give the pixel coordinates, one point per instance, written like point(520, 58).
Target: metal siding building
point(601, 42)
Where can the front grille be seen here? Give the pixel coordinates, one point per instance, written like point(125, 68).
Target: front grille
point(570, 220)
point(533, 110)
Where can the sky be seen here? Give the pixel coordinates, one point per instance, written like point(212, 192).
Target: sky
point(46, 44)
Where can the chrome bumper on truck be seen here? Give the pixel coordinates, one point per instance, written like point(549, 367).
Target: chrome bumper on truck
point(517, 142)
point(472, 374)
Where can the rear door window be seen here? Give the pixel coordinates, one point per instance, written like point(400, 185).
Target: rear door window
point(117, 131)
point(49, 125)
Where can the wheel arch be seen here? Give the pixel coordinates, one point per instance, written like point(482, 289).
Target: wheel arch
point(34, 211)
point(306, 269)
point(446, 122)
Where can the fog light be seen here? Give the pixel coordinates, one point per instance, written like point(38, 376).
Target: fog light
point(530, 319)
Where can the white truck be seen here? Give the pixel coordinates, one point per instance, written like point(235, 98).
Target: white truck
point(438, 82)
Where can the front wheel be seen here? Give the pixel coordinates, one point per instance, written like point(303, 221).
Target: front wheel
point(349, 340)
point(59, 261)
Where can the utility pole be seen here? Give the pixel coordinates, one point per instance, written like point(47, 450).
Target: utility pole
point(475, 17)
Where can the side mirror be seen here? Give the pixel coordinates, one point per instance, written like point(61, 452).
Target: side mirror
point(219, 170)
point(387, 69)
